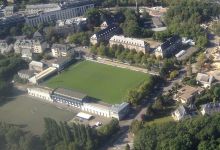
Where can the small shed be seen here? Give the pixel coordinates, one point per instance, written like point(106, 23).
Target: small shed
point(84, 116)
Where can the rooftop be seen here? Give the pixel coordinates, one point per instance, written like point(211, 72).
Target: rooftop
point(70, 93)
point(169, 42)
point(127, 40)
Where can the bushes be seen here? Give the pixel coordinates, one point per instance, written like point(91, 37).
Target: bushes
point(189, 134)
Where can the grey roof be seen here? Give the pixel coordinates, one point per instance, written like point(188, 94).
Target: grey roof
point(119, 107)
point(61, 60)
point(62, 47)
point(70, 93)
point(209, 106)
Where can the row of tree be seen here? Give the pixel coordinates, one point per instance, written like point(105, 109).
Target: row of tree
point(57, 136)
point(200, 133)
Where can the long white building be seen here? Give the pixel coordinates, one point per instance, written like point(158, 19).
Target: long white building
point(130, 43)
point(67, 10)
point(80, 101)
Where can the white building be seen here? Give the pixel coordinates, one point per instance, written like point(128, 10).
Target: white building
point(42, 92)
point(68, 10)
point(96, 108)
point(60, 50)
point(9, 10)
point(210, 108)
point(204, 79)
point(36, 65)
point(33, 9)
point(42, 75)
point(33, 46)
point(130, 43)
point(180, 113)
point(4, 47)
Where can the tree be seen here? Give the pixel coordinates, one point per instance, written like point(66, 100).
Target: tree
point(200, 61)
point(202, 42)
point(93, 16)
point(189, 69)
point(127, 147)
point(174, 74)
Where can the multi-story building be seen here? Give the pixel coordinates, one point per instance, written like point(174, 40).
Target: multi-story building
point(25, 74)
point(105, 34)
point(9, 10)
point(180, 113)
point(62, 62)
point(67, 10)
point(187, 93)
point(27, 47)
point(204, 79)
point(60, 50)
point(33, 9)
point(130, 43)
point(210, 108)
point(36, 66)
point(4, 47)
point(169, 48)
point(68, 97)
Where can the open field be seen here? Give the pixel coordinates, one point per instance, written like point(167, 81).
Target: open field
point(28, 113)
point(103, 82)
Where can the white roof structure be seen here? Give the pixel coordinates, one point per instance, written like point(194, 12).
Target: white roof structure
point(84, 115)
point(40, 76)
point(36, 63)
point(127, 40)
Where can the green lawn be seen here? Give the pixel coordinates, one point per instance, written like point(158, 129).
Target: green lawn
point(106, 83)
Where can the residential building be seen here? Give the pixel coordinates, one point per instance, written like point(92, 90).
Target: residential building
point(180, 113)
point(62, 62)
point(31, 46)
point(105, 24)
point(67, 10)
point(25, 74)
point(41, 92)
point(61, 50)
point(4, 47)
point(204, 79)
point(33, 9)
point(169, 48)
point(210, 108)
point(187, 93)
point(105, 34)
point(68, 97)
point(130, 43)
point(36, 66)
point(119, 111)
point(9, 10)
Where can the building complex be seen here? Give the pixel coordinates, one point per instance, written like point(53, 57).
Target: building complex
point(80, 101)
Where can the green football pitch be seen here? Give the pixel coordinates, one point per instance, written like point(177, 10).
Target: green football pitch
point(106, 83)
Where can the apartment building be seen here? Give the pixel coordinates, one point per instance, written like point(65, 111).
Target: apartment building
point(60, 50)
point(130, 43)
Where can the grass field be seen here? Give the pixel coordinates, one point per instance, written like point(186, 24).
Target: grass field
point(29, 113)
point(103, 82)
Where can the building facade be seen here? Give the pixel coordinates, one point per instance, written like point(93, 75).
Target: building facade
point(29, 46)
point(130, 43)
point(36, 65)
point(67, 10)
point(25, 74)
point(42, 93)
point(62, 62)
point(169, 47)
point(4, 47)
point(210, 108)
point(33, 9)
point(68, 97)
point(105, 34)
point(60, 50)
point(180, 113)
